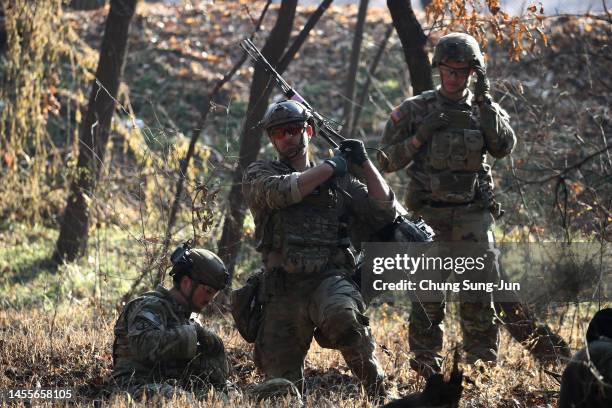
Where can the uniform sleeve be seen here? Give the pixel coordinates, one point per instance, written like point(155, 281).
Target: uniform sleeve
point(578, 383)
point(371, 212)
point(397, 139)
point(266, 189)
point(151, 340)
point(498, 134)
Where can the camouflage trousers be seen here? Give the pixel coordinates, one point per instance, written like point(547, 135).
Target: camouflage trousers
point(465, 224)
point(192, 380)
point(298, 307)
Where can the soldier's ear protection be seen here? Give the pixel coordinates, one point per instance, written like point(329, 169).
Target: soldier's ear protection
point(181, 263)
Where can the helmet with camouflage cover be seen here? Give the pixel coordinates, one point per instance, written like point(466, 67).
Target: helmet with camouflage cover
point(201, 264)
point(209, 268)
point(458, 47)
point(287, 111)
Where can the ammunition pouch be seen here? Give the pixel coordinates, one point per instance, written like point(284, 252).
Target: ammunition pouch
point(456, 150)
point(453, 187)
point(246, 308)
point(306, 234)
point(455, 156)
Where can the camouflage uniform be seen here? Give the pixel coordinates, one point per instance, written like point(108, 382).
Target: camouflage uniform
point(156, 351)
point(587, 379)
point(305, 291)
point(579, 387)
point(448, 176)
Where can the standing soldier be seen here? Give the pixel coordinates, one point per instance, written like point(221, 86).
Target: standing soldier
point(300, 211)
point(446, 134)
point(158, 349)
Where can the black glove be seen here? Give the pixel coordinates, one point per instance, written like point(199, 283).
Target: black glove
point(209, 342)
point(432, 122)
point(354, 151)
point(482, 87)
point(338, 163)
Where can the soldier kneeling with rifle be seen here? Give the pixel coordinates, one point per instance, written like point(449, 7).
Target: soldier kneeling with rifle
point(298, 206)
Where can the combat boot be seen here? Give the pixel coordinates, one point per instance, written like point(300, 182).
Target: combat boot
point(275, 388)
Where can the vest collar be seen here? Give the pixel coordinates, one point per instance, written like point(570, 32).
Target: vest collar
point(178, 308)
point(288, 164)
point(464, 103)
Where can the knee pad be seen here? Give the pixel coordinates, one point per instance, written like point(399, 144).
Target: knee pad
point(346, 328)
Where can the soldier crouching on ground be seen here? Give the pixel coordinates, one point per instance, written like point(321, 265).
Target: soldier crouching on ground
point(298, 207)
point(445, 134)
point(587, 379)
point(159, 350)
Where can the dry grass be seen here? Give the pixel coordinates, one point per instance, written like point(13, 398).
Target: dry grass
point(71, 346)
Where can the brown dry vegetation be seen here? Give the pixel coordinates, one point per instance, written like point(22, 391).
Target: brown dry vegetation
point(56, 329)
point(71, 346)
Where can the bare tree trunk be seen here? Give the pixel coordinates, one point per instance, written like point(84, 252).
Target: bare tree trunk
point(94, 132)
point(194, 139)
point(351, 79)
point(3, 36)
point(229, 244)
point(87, 4)
point(250, 141)
point(413, 41)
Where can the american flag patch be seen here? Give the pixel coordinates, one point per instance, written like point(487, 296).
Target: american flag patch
point(397, 114)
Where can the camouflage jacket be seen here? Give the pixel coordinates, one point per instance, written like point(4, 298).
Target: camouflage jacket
point(482, 130)
point(154, 339)
point(304, 234)
point(579, 387)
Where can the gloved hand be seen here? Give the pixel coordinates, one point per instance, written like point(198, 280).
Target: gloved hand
point(432, 122)
point(209, 342)
point(482, 87)
point(338, 163)
point(354, 151)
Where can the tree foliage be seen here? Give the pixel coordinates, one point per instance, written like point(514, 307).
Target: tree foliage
point(35, 36)
point(482, 17)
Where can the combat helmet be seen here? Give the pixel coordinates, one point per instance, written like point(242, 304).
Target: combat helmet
point(457, 47)
point(201, 264)
point(287, 111)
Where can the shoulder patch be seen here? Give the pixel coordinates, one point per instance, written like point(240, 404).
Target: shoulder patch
point(151, 317)
point(397, 114)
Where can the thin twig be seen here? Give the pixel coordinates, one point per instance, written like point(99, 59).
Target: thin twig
point(568, 168)
point(194, 138)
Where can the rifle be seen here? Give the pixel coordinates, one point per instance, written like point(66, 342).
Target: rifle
point(425, 233)
point(323, 125)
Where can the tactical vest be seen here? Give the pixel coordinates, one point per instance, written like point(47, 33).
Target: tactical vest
point(454, 155)
point(306, 233)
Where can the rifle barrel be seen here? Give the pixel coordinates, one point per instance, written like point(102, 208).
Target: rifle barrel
point(325, 130)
